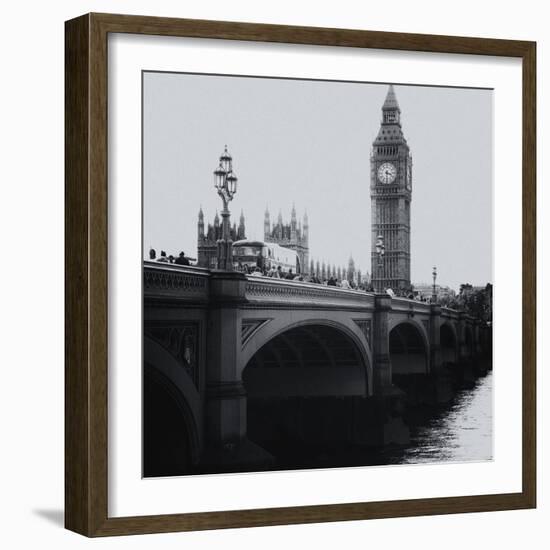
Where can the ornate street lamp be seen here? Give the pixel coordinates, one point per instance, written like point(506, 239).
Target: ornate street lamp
point(225, 182)
point(434, 293)
point(380, 251)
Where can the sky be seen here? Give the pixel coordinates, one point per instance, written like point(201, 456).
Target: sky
point(308, 143)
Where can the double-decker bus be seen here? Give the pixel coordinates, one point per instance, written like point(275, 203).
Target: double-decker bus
point(249, 254)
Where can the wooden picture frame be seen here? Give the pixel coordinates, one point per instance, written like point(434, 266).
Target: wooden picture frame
point(86, 282)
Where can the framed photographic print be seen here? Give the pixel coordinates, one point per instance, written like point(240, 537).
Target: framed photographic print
point(300, 275)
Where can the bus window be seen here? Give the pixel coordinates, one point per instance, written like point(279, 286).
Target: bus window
point(247, 251)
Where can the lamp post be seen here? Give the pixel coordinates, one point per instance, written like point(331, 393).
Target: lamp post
point(380, 250)
point(225, 182)
point(434, 294)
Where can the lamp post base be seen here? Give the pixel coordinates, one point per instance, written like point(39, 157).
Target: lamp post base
point(225, 254)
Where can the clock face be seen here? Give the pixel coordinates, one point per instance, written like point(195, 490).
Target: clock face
point(387, 173)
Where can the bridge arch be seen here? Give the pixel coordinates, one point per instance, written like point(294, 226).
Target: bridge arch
point(449, 343)
point(303, 386)
point(415, 322)
point(171, 421)
point(408, 348)
point(276, 327)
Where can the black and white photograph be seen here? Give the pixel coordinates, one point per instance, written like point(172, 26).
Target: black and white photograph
point(317, 274)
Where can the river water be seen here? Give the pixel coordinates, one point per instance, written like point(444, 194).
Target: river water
point(461, 432)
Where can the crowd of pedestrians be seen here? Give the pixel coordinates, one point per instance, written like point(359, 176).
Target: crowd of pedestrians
point(181, 259)
point(279, 273)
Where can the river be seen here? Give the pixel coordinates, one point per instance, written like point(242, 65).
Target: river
point(460, 432)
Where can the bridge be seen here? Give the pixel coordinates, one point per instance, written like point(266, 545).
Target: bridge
point(233, 363)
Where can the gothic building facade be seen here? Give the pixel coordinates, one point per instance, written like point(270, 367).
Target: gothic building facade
point(293, 235)
point(391, 195)
point(207, 240)
point(354, 276)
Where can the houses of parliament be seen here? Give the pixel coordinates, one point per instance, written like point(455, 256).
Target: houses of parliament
point(207, 240)
point(293, 235)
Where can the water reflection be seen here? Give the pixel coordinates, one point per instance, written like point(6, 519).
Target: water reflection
point(463, 432)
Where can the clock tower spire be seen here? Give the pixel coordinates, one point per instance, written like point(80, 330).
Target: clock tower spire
point(391, 195)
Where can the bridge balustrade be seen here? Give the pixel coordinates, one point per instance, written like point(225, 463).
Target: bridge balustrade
point(259, 289)
point(175, 281)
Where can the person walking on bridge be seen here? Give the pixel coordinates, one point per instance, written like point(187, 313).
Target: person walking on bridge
point(182, 260)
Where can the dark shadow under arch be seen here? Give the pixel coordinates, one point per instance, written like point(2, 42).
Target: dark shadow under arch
point(167, 427)
point(409, 355)
point(312, 360)
point(408, 350)
point(468, 342)
point(448, 344)
point(301, 386)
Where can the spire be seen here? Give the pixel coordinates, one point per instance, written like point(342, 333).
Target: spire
point(279, 226)
point(391, 112)
point(241, 233)
point(216, 219)
point(200, 225)
point(390, 104)
point(351, 269)
point(293, 224)
point(267, 224)
point(390, 132)
point(305, 229)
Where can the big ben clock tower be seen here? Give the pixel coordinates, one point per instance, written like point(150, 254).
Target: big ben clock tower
point(391, 194)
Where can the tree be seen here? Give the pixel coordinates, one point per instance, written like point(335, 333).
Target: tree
point(476, 302)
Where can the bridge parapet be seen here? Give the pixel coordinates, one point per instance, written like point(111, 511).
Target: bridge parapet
point(181, 283)
point(297, 293)
point(451, 314)
point(404, 305)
